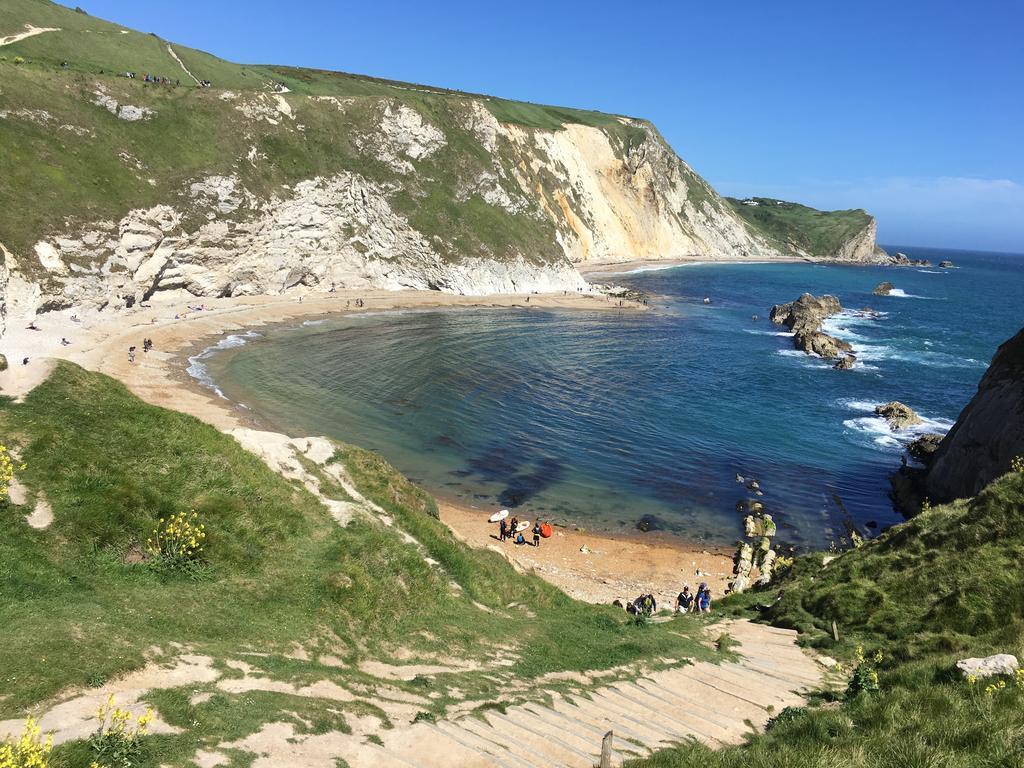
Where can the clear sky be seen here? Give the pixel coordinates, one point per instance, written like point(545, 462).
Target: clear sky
point(913, 110)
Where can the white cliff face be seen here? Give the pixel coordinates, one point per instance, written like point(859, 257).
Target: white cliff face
point(604, 195)
point(339, 232)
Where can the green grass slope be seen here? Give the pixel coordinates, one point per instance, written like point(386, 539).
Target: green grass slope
point(943, 586)
point(794, 227)
point(67, 162)
point(77, 607)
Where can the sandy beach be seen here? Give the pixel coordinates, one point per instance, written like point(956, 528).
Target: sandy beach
point(587, 565)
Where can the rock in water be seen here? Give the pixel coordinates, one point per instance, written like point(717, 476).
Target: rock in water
point(990, 666)
point(806, 313)
point(989, 432)
point(805, 317)
point(821, 344)
point(883, 289)
point(650, 523)
point(946, 264)
point(898, 415)
point(845, 362)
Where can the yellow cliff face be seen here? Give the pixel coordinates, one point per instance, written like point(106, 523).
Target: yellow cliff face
point(612, 203)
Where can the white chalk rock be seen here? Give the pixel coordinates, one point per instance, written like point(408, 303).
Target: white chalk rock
point(990, 666)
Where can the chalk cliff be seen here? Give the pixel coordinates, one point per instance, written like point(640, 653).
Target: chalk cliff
point(276, 179)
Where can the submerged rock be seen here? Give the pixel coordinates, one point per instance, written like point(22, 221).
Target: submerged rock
point(898, 415)
point(883, 289)
point(650, 523)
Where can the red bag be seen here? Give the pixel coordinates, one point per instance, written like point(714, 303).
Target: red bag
point(545, 530)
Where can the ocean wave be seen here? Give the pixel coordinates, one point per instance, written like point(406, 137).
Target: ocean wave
point(930, 271)
point(877, 430)
point(768, 333)
point(900, 293)
point(197, 366)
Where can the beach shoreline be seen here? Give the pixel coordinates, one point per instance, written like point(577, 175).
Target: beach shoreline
point(633, 266)
point(593, 566)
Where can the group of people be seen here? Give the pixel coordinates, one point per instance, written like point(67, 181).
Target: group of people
point(147, 344)
point(161, 80)
point(510, 530)
point(688, 602)
point(645, 605)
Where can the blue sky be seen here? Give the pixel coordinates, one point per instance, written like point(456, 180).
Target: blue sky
point(913, 110)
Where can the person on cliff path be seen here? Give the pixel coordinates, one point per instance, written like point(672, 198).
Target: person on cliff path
point(684, 602)
point(703, 600)
point(536, 534)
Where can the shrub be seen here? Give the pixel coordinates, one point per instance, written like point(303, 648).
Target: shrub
point(178, 540)
point(865, 676)
point(19, 59)
point(6, 471)
point(3, 362)
point(117, 739)
point(29, 751)
point(1017, 465)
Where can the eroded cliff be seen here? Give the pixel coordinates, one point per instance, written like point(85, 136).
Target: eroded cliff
point(119, 186)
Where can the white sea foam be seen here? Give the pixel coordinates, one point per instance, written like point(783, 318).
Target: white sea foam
point(900, 293)
point(769, 333)
point(878, 431)
point(931, 271)
point(197, 365)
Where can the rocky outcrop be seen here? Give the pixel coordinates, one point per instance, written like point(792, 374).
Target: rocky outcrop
point(923, 448)
point(898, 415)
point(863, 246)
point(805, 317)
point(988, 434)
point(946, 264)
point(821, 344)
point(902, 260)
point(806, 313)
point(846, 362)
point(883, 289)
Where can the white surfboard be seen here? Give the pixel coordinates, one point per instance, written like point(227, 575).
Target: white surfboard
point(522, 526)
point(498, 516)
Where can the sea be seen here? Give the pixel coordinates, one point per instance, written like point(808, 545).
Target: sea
point(610, 420)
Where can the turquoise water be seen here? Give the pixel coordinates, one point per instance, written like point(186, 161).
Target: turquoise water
point(601, 418)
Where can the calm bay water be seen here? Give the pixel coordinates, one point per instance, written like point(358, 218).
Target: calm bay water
point(601, 418)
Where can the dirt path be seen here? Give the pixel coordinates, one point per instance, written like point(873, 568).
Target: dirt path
point(714, 704)
point(174, 56)
point(30, 31)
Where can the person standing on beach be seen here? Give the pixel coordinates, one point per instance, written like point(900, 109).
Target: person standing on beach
point(502, 530)
point(536, 534)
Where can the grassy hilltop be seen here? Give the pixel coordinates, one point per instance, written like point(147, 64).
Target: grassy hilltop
point(796, 228)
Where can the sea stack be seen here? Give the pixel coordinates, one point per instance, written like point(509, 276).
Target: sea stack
point(805, 317)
